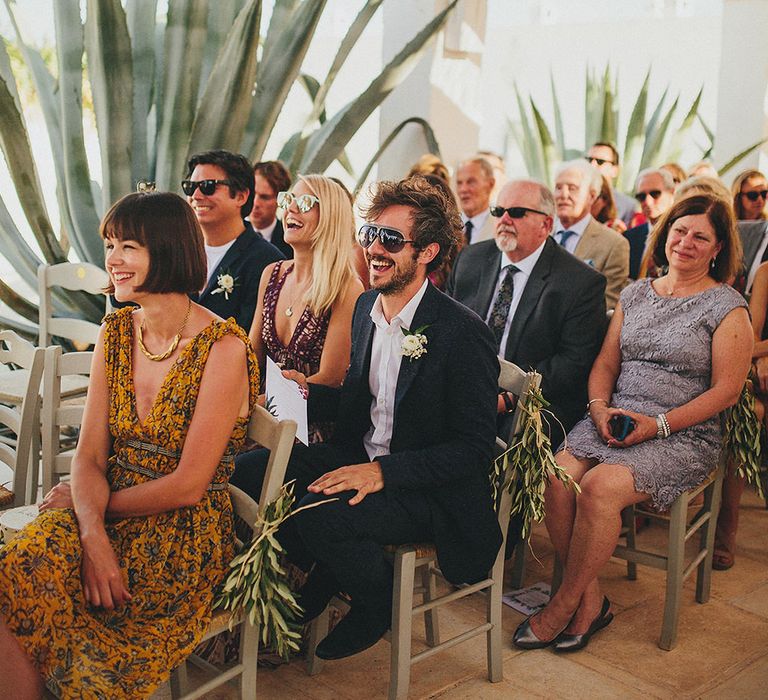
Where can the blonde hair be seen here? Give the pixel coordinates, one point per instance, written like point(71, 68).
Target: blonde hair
point(739, 180)
point(332, 243)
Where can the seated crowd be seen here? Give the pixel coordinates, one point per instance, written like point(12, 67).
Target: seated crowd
point(632, 310)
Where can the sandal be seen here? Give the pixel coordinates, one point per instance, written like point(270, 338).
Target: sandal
point(722, 560)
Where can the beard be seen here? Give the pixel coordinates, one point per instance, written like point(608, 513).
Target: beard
point(401, 277)
point(506, 243)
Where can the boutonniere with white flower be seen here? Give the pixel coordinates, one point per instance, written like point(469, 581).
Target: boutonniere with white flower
point(226, 285)
point(414, 344)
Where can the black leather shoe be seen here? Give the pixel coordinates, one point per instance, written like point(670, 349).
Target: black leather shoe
point(316, 593)
point(361, 628)
point(574, 642)
point(525, 638)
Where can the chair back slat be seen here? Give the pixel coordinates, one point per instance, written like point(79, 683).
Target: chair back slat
point(75, 363)
point(75, 329)
point(11, 418)
point(7, 455)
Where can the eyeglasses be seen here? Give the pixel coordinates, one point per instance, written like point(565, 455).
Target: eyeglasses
point(598, 161)
point(514, 212)
point(753, 196)
point(303, 201)
point(653, 194)
point(207, 187)
point(392, 240)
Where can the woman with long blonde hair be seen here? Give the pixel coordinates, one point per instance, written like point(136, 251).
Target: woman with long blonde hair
point(749, 191)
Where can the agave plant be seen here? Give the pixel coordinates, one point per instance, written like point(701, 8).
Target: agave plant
point(206, 75)
point(648, 141)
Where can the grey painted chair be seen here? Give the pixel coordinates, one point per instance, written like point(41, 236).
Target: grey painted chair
point(278, 436)
point(412, 558)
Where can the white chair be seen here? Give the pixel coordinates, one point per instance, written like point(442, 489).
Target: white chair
point(278, 436)
point(62, 369)
point(409, 558)
point(22, 418)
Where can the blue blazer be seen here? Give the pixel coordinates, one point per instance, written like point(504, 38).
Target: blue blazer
point(444, 427)
point(636, 237)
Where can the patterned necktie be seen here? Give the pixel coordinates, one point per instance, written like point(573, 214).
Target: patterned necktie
point(564, 236)
point(498, 318)
point(468, 231)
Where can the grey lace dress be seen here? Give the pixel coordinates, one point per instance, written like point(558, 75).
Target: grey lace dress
point(666, 361)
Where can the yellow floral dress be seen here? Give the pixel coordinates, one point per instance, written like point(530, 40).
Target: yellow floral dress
point(173, 561)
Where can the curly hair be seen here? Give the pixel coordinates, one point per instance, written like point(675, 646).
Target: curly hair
point(435, 216)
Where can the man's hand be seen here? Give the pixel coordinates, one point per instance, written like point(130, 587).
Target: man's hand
point(364, 478)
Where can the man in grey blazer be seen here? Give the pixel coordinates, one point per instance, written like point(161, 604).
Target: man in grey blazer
point(556, 318)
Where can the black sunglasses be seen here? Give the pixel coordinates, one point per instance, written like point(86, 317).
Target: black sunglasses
point(653, 194)
point(514, 212)
point(207, 187)
point(752, 196)
point(391, 239)
point(599, 161)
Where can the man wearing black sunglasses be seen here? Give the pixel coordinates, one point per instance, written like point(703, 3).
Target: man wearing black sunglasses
point(605, 157)
point(415, 428)
point(219, 186)
point(655, 190)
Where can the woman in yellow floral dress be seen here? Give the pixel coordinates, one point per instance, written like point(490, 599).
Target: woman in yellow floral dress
point(112, 585)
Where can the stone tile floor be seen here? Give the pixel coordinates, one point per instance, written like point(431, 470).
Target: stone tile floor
point(722, 649)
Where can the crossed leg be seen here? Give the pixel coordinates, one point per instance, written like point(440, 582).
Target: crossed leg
point(20, 677)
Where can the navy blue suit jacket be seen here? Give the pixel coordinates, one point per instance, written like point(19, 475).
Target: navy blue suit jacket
point(444, 428)
point(637, 237)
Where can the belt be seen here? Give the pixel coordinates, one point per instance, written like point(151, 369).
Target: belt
point(152, 448)
point(152, 474)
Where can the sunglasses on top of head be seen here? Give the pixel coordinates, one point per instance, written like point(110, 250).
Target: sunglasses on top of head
point(754, 195)
point(653, 194)
point(514, 212)
point(392, 240)
point(303, 201)
point(207, 187)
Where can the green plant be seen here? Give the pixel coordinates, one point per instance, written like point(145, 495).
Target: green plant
point(647, 142)
point(741, 438)
point(205, 75)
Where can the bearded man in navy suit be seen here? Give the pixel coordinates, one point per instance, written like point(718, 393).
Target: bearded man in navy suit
point(415, 428)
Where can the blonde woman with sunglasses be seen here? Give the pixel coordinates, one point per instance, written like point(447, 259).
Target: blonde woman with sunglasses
point(750, 190)
point(304, 312)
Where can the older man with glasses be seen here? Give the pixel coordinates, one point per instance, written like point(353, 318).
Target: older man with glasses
point(655, 190)
point(605, 157)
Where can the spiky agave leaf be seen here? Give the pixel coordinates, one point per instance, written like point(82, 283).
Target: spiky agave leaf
point(679, 137)
point(548, 150)
point(655, 142)
point(559, 130)
point(635, 138)
point(739, 156)
point(527, 141)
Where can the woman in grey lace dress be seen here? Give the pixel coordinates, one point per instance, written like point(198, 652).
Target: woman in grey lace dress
point(676, 354)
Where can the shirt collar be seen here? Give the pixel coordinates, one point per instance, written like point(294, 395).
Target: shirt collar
point(404, 318)
point(577, 228)
point(525, 265)
point(478, 220)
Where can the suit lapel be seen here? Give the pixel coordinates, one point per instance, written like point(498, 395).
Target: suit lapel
point(487, 283)
point(226, 262)
point(586, 243)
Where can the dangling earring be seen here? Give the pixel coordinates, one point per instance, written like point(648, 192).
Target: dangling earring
point(712, 264)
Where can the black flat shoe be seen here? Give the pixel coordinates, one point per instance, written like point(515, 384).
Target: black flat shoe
point(361, 628)
point(574, 642)
point(525, 638)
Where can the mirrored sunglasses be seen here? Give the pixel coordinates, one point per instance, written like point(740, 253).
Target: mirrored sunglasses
point(653, 194)
point(303, 201)
point(207, 187)
point(754, 195)
point(391, 239)
point(514, 212)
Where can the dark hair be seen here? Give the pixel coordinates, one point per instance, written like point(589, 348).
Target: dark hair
point(720, 215)
point(275, 173)
point(238, 169)
point(166, 225)
point(435, 216)
point(614, 150)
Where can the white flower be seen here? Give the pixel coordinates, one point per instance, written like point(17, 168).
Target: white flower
point(226, 285)
point(413, 346)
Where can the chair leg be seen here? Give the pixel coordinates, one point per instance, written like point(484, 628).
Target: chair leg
point(402, 619)
point(712, 497)
point(518, 564)
point(493, 636)
point(431, 620)
point(249, 655)
point(318, 630)
point(675, 567)
point(179, 681)
point(630, 522)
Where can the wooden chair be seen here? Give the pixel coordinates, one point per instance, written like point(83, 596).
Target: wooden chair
point(22, 418)
point(62, 370)
point(422, 557)
point(278, 436)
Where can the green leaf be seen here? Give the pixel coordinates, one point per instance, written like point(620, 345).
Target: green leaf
point(527, 141)
point(110, 71)
point(608, 129)
point(633, 144)
point(679, 138)
point(559, 130)
point(739, 156)
point(655, 141)
point(548, 150)
point(325, 143)
point(16, 250)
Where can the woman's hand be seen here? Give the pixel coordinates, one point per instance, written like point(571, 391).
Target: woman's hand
point(761, 366)
point(299, 378)
point(102, 578)
point(60, 496)
point(645, 428)
point(600, 413)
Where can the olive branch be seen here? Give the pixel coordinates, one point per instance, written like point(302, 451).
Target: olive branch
point(256, 584)
point(526, 466)
point(741, 438)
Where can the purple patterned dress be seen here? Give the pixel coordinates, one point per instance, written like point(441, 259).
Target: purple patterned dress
point(306, 345)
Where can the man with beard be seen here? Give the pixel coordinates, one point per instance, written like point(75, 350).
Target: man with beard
point(415, 428)
point(545, 307)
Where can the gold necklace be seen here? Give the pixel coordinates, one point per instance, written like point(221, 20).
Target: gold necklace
point(165, 355)
point(296, 297)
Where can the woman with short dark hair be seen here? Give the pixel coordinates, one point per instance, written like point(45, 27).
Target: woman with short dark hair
point(112, 586)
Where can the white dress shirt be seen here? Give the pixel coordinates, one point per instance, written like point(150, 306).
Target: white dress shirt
point(268, 231)
point(519, 280)
point(577, 228)
point(478, 221)
point(386, 357)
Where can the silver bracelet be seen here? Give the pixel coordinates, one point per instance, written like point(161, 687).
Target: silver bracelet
point(591, 401)
point(662, 426)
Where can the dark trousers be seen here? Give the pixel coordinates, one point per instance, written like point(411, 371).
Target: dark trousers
point(347, 540)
